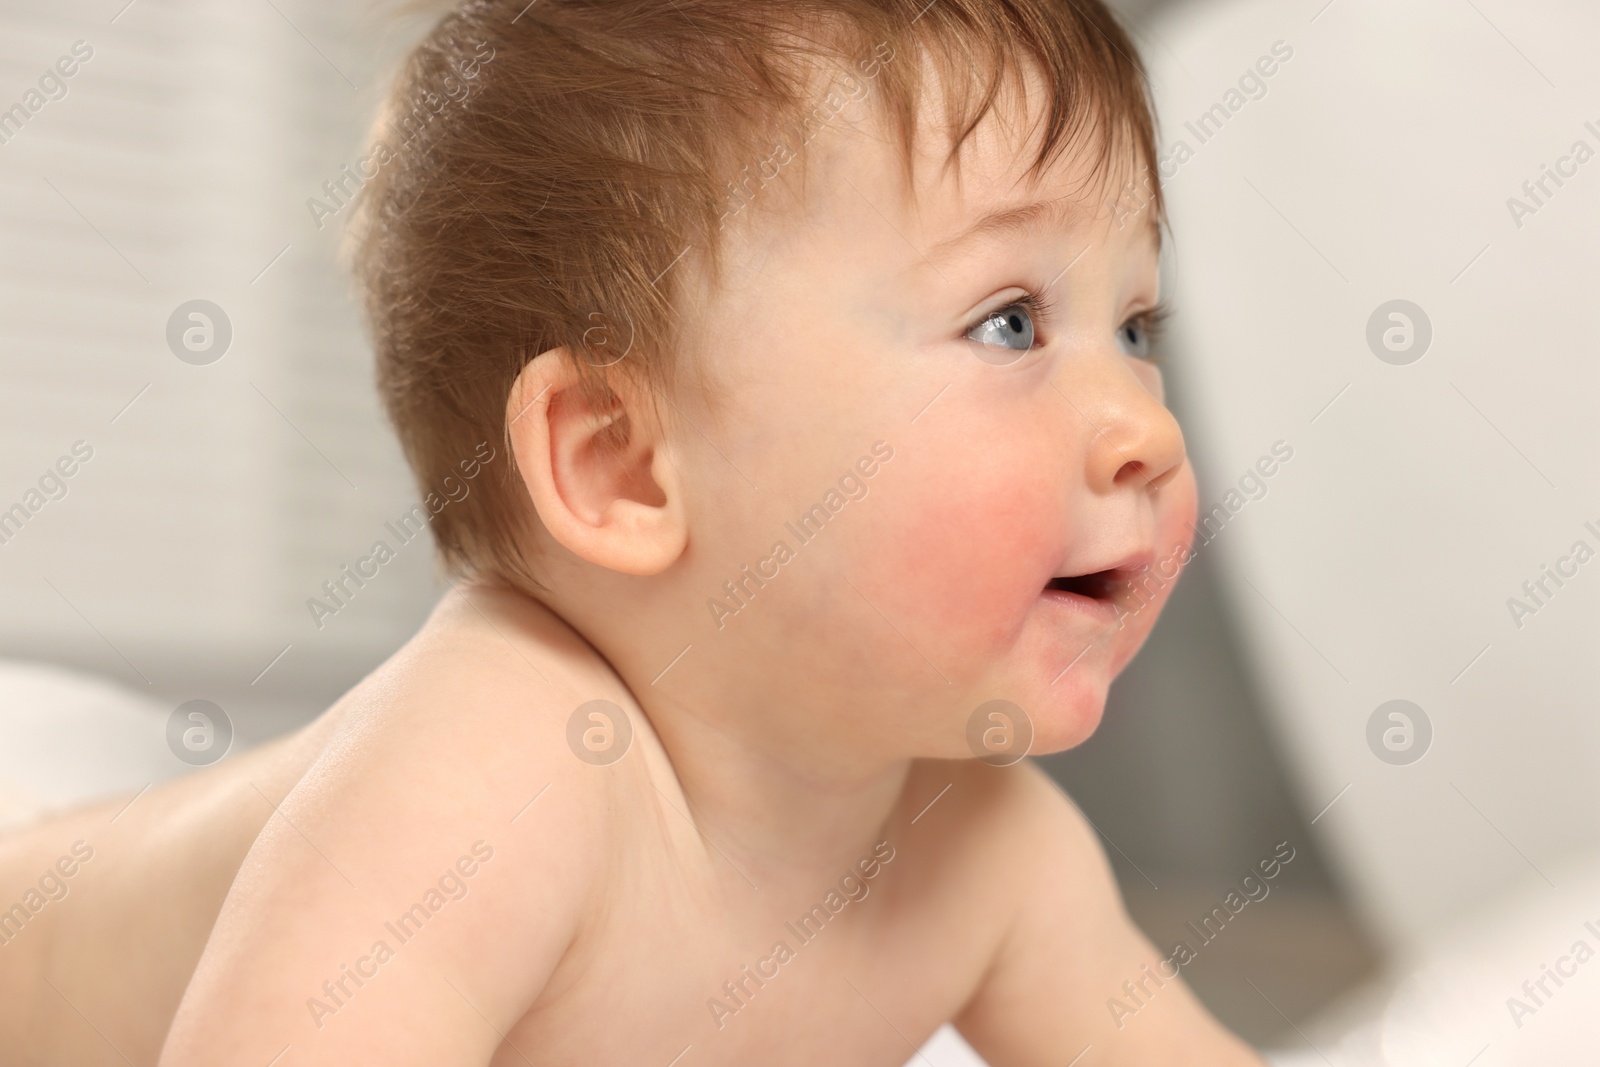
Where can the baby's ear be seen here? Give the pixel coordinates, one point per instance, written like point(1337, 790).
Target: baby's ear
point(598, 474)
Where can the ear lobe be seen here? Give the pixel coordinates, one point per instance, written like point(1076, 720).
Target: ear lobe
point(598, 475)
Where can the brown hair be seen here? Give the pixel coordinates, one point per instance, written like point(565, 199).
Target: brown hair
point(544, 169)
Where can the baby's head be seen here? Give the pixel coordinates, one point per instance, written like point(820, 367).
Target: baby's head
point(811, 337)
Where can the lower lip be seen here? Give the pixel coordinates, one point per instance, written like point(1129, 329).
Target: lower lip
point(1104, 611)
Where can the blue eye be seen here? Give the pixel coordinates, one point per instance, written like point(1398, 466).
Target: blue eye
point(1139, 334)
point(1008, 333)
point(1133, 337)
point(1010, 327)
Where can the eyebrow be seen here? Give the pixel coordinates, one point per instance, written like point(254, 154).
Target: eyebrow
point(1018, 220)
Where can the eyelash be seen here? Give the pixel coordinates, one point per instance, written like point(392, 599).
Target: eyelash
point(1039, 306)
point(1154, 318)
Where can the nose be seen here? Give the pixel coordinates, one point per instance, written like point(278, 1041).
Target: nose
point(1137, 442)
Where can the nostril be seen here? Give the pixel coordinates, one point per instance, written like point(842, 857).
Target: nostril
point(1134, 472)
point(1138, 474)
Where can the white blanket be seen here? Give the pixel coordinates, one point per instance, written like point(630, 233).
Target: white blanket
point(68, 738)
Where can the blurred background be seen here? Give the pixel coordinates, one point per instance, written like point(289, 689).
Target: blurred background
point(1383, 260)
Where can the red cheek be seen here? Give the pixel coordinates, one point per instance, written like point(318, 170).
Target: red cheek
point(954, 554)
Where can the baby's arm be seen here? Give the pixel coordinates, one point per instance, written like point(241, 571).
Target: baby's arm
point(1068, 951)
point(391, 911)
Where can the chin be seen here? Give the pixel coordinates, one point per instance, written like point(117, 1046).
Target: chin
point(1061, 694)
point(1068, 713)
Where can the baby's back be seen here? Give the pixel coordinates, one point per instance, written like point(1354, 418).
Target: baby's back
point(108, 908)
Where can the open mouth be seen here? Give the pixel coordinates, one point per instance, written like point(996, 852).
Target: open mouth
point(1106, 592)
point(1100, 585)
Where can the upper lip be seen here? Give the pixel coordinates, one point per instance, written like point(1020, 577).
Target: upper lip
point(1103, 582)
point(1132, 563)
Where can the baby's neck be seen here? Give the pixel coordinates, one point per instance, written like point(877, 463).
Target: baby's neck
point(778, 800)
point(765, 802)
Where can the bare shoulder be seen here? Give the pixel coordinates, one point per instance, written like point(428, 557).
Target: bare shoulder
point(976, 846)
point(1062, 942)
point(433, 863)
point(468, 731)
point(1023, 799)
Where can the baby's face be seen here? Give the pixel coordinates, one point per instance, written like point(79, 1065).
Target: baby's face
point(1027, 445)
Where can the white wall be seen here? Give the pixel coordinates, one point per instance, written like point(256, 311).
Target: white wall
point(177, 166)
point(1378, 165)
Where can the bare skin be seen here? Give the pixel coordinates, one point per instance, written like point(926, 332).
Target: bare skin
point(567, 910)
point(121, 945)
point(634, 970)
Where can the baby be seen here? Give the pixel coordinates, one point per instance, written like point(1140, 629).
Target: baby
point(799, 350)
